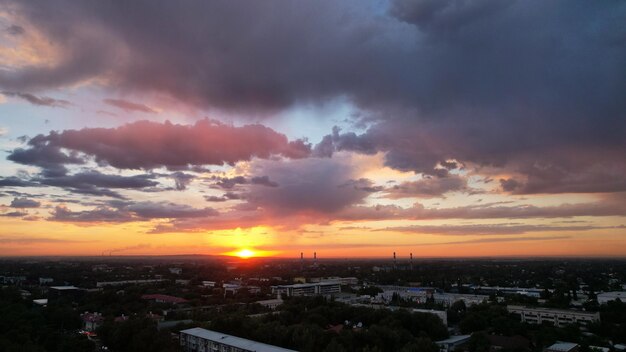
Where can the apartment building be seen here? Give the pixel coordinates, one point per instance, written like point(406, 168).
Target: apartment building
point(558, 317)
point(202, 340)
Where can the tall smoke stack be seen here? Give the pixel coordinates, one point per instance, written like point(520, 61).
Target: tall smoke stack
point(315, 258)
point(301, 260)
point(394, 260)
point(411, 264)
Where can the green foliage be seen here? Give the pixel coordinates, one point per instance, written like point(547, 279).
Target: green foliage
point(303, 325)
point(27, 328)
point(135, 335)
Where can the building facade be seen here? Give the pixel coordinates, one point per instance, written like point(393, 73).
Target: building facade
point(202, 340)
point(312, 289)
point(558, 317)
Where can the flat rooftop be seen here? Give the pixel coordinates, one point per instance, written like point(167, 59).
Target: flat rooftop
point(235, 341)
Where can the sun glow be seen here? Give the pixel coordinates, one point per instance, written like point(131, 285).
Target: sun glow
point(245, 253)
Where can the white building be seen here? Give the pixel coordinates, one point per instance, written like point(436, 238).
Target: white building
point(447, 299)
point(270, 303)
point(202, 340)
point(346, 281)
point(605, 297)
point(312, 289)
point(558, 317)
point(128, 282)
point(560, 346)
point(176, 271)
point(45, 280)
point(451, 343)
point(414, 294)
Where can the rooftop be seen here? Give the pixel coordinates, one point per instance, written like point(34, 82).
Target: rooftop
point(563, 346)
point(234, 341)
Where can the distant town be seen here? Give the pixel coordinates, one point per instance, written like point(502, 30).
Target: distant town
point(202, 303)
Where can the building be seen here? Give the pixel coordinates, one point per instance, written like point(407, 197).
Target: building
point(414, 294)
point(312, 289)
point(447, 299)
point(345, 281)
point(128, 282)
point(158, 298)
point(558, 317)
point(45, 281)
point(530, 292)
point(270, 303)
point(563, 347)
point(202, 340)
point(68, 293)
point(91, 321)
point(605, 297)
point(453, 342)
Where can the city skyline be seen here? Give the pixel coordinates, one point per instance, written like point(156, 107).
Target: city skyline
point(352, 129)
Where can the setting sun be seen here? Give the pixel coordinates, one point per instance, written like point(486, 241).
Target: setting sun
point(245, 253)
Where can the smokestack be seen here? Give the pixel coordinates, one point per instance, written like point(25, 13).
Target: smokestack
point(301, 260)
point(314, 255)
point(394, 260)
point(411, 261)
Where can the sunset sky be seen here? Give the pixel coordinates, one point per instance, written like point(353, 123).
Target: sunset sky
point(442, 128)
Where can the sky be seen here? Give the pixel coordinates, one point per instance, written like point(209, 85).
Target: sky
point(354, 128)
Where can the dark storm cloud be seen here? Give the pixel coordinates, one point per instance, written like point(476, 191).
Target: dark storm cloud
point(363, 184)
point(610, 206)
point(263, 181)
point(14, 214)
point(523, 85)
point(307, 185)
point(231, 182)
point(46, 156)
point(164, 210)
point(98, 215)
point(42, 101)
point(148, 145)
point(129, 106)
point(97, 184)
point(15, 30)
point(429, 186)
point(182, 180)
point(121, 211)
point(24, 203)
point(13, 181)
point(225, 197)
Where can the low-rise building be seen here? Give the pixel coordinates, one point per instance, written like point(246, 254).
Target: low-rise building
point(563, 347)
point(159, 298)
point(128, 282)
point(91, 321)
point(558, 317)
point(605, 297)
point(45, 280)
point(453, 342)
point(312, 289)
point(202, 340)
point(414, 294)
point(270, 303)
point(447, 299)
